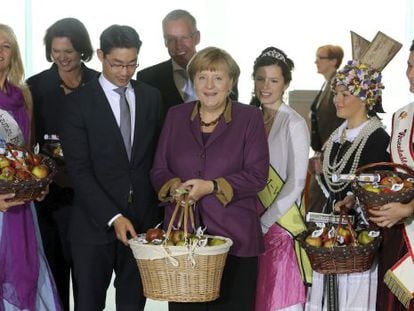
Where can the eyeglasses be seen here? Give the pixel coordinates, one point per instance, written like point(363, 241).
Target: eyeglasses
point(119, 67)
point(173, 39)
point(323, 57)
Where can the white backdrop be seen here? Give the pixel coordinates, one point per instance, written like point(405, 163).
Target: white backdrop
point(242, 28)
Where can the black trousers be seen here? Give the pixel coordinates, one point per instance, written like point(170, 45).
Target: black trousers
point(237, 292)
point(53, 218)
point(93, 266)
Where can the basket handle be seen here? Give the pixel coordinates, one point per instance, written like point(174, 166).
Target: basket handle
point(348, 224)
point(396, 165)
point(185, 212)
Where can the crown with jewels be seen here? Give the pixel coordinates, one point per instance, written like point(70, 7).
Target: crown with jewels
point(275, 54)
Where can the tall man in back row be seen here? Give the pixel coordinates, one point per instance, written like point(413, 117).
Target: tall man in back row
point(181, 37)
point(109, 132)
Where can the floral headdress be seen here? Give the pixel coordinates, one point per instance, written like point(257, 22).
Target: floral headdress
point(362, 75)
point(362, 81)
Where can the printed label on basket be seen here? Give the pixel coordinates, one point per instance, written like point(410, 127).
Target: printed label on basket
point(397, 187)
point(360, 177)
point(326, 218)
point(317, 233)
point(331, 233)
point(373, 234)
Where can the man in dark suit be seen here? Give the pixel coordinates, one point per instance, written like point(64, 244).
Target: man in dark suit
point(109, 132)
point(181, 37)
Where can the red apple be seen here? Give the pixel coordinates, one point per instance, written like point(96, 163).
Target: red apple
point(36, 159)
point(23, 175)
point(154, 233)
point(40, 171)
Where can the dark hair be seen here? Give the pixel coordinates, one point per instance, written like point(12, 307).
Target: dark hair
point(273, 56)
point(412, 47)
point(119, 36)
point(75, 31)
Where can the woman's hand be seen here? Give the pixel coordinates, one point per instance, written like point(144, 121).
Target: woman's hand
point(390, 214)
point(198, 188)
point(43, 194)
point(346, 203)
point(5, 202)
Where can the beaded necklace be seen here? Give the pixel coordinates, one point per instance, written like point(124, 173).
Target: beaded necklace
point(338, 165)
point(215, 121)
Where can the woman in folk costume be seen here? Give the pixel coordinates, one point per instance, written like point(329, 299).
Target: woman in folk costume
point(280, 285)
point(360, 140)
point(396, 260)
point(25, 279)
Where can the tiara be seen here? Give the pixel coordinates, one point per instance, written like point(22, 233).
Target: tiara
point(275, 54)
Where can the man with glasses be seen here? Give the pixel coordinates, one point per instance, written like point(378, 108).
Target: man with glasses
point(323, 119)
point(181, 37)
point(109, 132)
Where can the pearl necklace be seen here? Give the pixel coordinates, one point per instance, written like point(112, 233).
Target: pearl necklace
point(356, 148)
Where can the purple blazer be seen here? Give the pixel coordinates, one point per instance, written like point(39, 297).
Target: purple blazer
point(237, 151)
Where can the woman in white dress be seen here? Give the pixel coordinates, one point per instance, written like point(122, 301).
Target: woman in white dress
point(280, 285)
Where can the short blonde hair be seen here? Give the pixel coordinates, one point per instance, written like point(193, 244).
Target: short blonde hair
point(212, 58)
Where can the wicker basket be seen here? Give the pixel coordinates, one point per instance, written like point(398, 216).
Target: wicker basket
point(28, 190)
point(371, 199)
point(176, 273)
point(340, 259)
point(181, 273)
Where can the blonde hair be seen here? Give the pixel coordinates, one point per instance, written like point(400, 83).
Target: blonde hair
point(15, 74)
point(212, 58)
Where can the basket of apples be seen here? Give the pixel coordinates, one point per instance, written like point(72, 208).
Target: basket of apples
point(387, 186)
point(335, 248)
point(25, 173)
point(177, 265)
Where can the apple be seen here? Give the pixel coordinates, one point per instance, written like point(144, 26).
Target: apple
point(4, 162)
point(7, 173)
point(176, 235)
point(40, 171)
point(346, 235)
point(36, 159)
point(23, 175)
point(154, 233)
point(329, 243)
point(168, 243)
point(408, 184)
point(180, 243)
point(216, 242)
point(365, 238)
point(390, 180)
point(314, 241)
point(371, 188)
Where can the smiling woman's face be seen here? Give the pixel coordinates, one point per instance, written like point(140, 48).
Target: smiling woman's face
point(212, 88)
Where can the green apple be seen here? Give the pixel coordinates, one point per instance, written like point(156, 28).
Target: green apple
point(40, 171)
point(364, 238)
point(216, 241)
point(4, 162)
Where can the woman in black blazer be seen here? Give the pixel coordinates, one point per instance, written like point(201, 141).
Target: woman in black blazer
point(67, 45)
